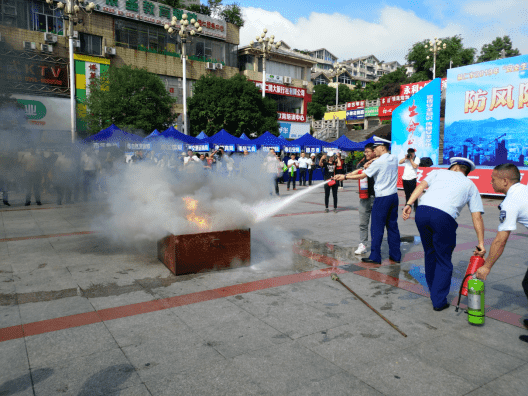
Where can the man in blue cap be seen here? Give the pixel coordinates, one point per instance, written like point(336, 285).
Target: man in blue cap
point(384, 170)
point(448, 191)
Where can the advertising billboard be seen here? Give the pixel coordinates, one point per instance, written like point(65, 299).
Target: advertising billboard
point(416, 123)
point(487, 112)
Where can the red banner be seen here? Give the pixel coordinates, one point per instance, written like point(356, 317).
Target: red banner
point(355, 105)
point(291, 117)
point(282, 89)
point(393, 100)
point(386, 111)
point(481, 178)
point(411, 89)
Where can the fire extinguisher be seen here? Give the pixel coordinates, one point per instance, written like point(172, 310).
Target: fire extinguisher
point(475, 262)
point(363, 187)
point(476, 311)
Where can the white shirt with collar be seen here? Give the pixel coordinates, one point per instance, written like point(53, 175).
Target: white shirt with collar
point(514, 208)
point(304, 162)
point(450, 191)
point(384, 170)
point(193, 158)
point(409, 173)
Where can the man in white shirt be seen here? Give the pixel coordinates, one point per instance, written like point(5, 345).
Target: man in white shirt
point(311, 167)
point(506, 179)
point(293, 164)
point(448, 191)
point(303, 169)
point(190, 158)
point(274, 168)
point(410, 173)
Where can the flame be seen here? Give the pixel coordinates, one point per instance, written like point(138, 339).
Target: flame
point(191, 205)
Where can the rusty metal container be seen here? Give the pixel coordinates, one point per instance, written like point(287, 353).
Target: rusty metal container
point(192, 253)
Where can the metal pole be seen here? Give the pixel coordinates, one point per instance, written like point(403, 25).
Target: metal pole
point(264, 74)
point(434, 61)
point(337, 92)
point(184, 59)
point(72, 78)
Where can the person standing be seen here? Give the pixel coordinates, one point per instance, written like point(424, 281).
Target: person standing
point(89, 166)
point(505, 179)
point(340, 168)
point(32, 164)
point(328, 165)
point(384, 170)
point(410, 173)
point(274, 168)
point(292, 165)
point(448, 191)
point(303, 169)
point(312, 165)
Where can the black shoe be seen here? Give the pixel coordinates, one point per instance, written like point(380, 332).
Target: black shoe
point(441, 308)
point(367, 260)
point(7, 203)
point(28, 203)
point(396, 261)
point(523, 338)
point(39, 203)
point(525, 322)
point(326, 210)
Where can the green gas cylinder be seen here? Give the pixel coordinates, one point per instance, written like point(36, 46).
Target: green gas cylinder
point(476, 312)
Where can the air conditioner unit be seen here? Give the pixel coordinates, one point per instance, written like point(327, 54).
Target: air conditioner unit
point(50, 38)
point(76, 43)
point(46, 48)
point(209, 65)
point(287, 80)
point(109, 50)
point(305, 83)
point(219, 66)
point(29, 45)
point(75, 34)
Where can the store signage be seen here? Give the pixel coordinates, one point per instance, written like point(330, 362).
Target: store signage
point(355, 105)
point(371, 111)
point(386, 111)
point(291, 117)
point(44, 112)
point(411, 89)
point(358, 114)
point(392, 100)
point(274, 79)
point(159, 14)
point(282, 89)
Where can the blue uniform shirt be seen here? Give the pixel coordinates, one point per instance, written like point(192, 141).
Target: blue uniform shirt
point(384, 170)
point(450, 191)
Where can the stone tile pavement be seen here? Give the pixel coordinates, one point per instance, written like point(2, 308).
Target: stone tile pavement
point(80, 316)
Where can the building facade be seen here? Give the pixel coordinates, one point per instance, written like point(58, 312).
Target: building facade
point(369, 67)
point(35, 48)
point(325, 59)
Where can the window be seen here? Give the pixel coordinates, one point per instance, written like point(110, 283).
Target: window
point(287, 104)
point(283, 69)
point(344, 78)
point(44, 19)
point(141, 36)
point(320, 80)
point(90, 44)
point(246, 62)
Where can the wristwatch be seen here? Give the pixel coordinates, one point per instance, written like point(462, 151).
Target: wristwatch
point(345, 176)
point(407, 205)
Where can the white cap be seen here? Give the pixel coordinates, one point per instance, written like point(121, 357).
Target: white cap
point(330, 153)
point(313, 155)
point(462, 161)
point(379, 141)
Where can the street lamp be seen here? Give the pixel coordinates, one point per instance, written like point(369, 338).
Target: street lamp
point(338, 69)
point(186, 29)
point(71, 10)
point(435, 46)
point(264, 45)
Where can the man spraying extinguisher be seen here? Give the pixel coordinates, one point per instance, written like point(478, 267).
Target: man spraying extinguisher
point(506, 179)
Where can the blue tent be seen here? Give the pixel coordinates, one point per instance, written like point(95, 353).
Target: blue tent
point(202, 135)
point(192, 142)
point(269, 140)
point(365, 142)
point(244, 137)
point(230, 143)
point(155, 133)
point(312, 145)
point(112, 136)
point(344, 143)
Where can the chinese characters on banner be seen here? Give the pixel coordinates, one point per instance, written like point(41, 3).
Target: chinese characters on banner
point(358, 114)
point(205, 147)
point(292, 149)
point(250, 147)
point(172, 147)
point(282, 89)
point(92, 71)
point(312, 149)
point(487, 112)
point(268, 148)
point(291, 117)
point(138, 146)
point(411, 89)
point(355, 105)
point(385, 112)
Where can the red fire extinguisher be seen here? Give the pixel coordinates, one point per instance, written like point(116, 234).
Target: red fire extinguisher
point(363, 187)
point(475, 262)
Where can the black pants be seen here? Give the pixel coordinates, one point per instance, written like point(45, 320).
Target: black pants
point(408, 187)
point(327, 189)
point(33, 183)
point(302, 176)
point(291, 178)
point(88, 184)
point(340, 172)
point(310, 175)
point(277, 185)
point(525, 284)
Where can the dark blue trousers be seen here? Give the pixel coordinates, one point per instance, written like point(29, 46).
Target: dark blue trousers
point(385, 215)
point(438, 233)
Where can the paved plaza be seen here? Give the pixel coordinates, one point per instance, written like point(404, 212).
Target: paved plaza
point(82, 316)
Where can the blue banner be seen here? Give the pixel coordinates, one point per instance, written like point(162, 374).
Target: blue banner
point(292, 149)
point(247, 147)
point(416, 123)
point(312, 149)
point(357, 114)
point(268, 148)
point(200, 147)
point(487, 112)
point(284, 129)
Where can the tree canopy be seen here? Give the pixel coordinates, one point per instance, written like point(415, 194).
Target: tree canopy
point(454, 52)
point(234, 104)
point(231, 13)
point(130, 98)
point(493, 50)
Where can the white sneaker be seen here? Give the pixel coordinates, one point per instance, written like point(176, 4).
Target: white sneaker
point(361, 249)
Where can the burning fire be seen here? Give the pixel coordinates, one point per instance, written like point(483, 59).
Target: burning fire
point(191, 205)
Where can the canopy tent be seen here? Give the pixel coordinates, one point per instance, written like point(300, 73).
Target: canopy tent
point(268, 141)
point(113, 136)
point(230, 143)
point(192, 142)
point(313, 145)
point(202, 135)
point(345, 144)
point(244, 137)
point(155, 133)
point(361, 145)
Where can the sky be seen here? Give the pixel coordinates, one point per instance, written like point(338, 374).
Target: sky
point(385, 28)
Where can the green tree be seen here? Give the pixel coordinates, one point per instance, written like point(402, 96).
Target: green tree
point(454, 52)
point(234, 104)
point(129, 97)
point(173, 3)
point(233, 14)
point(199, 8)
point(493, 50)
point(322, 96)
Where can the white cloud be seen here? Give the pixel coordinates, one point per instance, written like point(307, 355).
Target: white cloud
point(389, 38)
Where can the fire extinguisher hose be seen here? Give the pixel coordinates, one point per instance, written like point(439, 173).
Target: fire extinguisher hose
point(336, 278)
point(460, 291)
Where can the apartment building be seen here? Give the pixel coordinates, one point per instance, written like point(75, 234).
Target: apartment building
point(325, 59)
point(370, 67)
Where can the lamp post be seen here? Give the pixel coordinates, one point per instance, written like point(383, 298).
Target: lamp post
point(71, 10)
point(338, 69)
point(264, 45)
point(435, 46)
point(186, 29)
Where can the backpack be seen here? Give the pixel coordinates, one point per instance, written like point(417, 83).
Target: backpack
point(425, 162)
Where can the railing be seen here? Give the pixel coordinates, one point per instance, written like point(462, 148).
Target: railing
point(341, 107)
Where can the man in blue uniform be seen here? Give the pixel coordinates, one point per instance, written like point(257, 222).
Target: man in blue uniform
point(448, 191)
point(505, 179)
point(384, 170)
